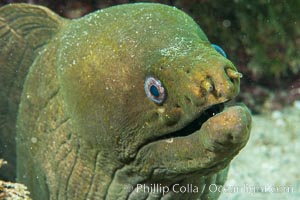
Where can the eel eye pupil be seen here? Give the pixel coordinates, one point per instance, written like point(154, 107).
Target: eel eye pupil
point(219, 50)
point(154, 90)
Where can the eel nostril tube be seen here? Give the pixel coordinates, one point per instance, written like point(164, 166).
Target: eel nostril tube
point(232, 74)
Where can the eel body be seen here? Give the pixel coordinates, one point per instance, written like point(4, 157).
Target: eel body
point(124, 103)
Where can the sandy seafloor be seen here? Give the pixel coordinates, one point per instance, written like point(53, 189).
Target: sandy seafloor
point(268, 168)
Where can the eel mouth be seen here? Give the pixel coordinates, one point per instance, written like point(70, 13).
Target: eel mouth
point(196, 124)
point(204, 145)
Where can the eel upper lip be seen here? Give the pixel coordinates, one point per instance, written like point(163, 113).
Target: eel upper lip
point(196, 124)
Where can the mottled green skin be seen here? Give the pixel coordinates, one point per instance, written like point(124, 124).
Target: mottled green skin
point(85, 127)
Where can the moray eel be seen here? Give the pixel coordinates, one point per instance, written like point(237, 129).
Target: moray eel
point(123, 103)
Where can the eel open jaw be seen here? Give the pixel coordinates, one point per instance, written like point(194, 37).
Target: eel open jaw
point(196, 124)
point(205, 145)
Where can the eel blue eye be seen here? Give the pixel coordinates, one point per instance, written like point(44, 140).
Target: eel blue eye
point(219, 49)
point(155, 90)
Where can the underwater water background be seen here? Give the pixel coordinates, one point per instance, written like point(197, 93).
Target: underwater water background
point(262, 38)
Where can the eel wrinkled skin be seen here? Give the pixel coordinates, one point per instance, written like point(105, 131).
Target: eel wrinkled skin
point(124, 103)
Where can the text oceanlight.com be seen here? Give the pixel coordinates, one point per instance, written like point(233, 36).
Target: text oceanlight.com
point(190, 188)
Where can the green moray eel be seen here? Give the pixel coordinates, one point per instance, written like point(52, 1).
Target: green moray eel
point(123, 103)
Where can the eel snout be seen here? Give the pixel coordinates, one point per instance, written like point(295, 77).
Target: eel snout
point(207, 150)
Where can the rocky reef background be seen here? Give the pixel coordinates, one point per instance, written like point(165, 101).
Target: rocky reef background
point(262, 38)
point(12, 191)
